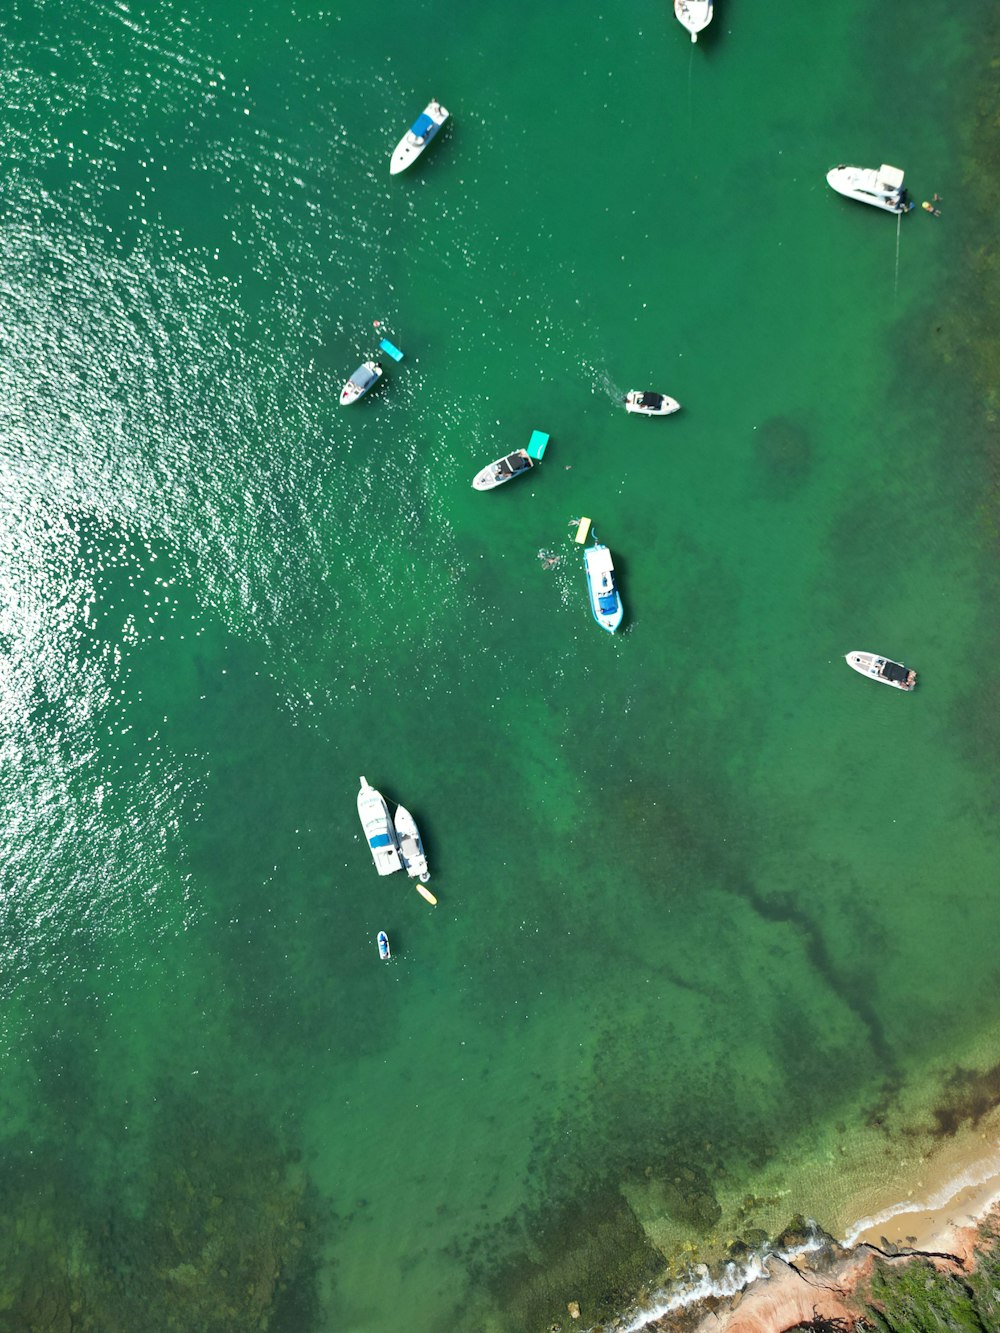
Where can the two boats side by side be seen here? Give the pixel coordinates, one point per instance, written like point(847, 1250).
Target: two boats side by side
point(418, 136)
point(882, 669)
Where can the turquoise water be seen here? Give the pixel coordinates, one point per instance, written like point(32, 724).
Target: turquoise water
point(716, 918)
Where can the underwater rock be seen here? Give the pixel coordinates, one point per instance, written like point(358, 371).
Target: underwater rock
point(784, 455)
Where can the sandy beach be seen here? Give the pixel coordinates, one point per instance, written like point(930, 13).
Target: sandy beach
point(956, 1192)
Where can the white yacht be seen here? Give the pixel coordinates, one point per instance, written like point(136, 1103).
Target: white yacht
point(374, 815)
point(695, 15)
point(650, 404)
point(882, 669)
point(418, 136)
point(504, 469)
point(882, 188)
point(605, 601)
point(411, 849)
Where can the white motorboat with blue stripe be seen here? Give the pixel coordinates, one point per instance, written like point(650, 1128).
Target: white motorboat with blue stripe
point(384, 952)
point(418, 136)
point(379, 832)
point(605, 600)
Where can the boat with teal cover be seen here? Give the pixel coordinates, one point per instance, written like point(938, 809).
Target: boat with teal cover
point(605, 600)
point(418, 136)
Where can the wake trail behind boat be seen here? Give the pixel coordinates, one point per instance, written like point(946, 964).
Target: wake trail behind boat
point(895, 281)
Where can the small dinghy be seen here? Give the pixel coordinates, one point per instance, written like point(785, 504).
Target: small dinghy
point(367, 374)
point(418, 136)
point(695, 15)
point(882, 669)
point(605, 601)
point(882, 189)
point(411, 849)
point(383, 946)
point(374, 815)
point(651, 404)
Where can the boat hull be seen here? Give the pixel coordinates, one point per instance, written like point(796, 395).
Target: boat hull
point(665, 408)
point(361, 382)
point(505, 469)
point(378, 829)
point(867, 186)
point(605, 600)
point(882, 669)
point(411, 849)
point(413, 141)
point(694, 15)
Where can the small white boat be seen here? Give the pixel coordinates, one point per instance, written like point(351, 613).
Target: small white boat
point(882, 188)
point(882, 669)
point(367, 374)
point(605, 601)
point(504, 469)
point(695, 15)
point(383, 946)
point(650, 404)
point(418, 136)
point(374, 815)
point(411, 849)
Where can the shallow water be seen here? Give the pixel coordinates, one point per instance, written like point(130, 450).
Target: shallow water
point(716, 917)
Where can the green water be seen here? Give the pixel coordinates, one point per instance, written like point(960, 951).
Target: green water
point(716, 917)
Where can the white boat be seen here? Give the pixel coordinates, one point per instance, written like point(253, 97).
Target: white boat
point(367, 374)
point(650, 404)
point(605, 601)
point(695, 15)
point(882, 188)
point(418, 136)
point(384, 951)
point(411, 849)
point(882, 669)
point(374, 815)
point(504, 469)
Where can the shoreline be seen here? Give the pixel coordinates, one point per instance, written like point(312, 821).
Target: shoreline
point(956, 1190)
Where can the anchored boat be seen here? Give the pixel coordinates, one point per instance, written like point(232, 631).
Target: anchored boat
point(383, 946)
point(418, 136)
point(650, 404)
point(512, 465)
point(374, 815)
point(367, 374)
point(882, 669)
point(882, 189)
point(605, 600)
point(411, 849)
point(695, 15)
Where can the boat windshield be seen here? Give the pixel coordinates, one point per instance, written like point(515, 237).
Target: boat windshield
point(363, 377)
point(652, 399)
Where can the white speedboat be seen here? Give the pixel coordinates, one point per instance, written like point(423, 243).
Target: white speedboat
point(504, 469)
point(605, 601)
point(882, 188)
point(418, 136)
point(367, 374)
point(411, 849)
point(650, 404)
point(374, 815)
point(695, 15)
point(882, 669)
point(384, 951)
